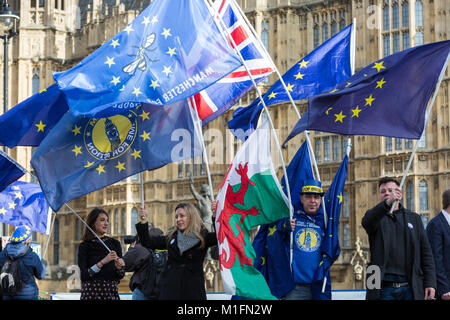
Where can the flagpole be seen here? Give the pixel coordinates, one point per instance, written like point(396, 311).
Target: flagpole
point(312, 156)
point(84, 222)
point(44, 255)
point(197, 127)
point(427, 114)
point(261, 99)
point(307, 136)
point(141, 176)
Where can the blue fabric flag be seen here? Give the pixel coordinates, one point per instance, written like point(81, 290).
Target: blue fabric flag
point(23, 203)
point(82, 154)
point(319, 71)
point(330, 247)
point(10, 170)
point(386, 98)
point(271, 243)
point(171, 51)
point(30, 121)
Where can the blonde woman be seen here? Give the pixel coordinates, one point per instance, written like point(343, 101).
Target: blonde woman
point(187, 244)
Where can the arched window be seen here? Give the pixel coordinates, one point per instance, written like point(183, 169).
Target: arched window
point(35, 81)
point(386, 45)
point(116, 221)
point(410, 195)
point(134, 220)
point(418, 38)
point(56, 242)
point(265, 34)
point(388, 144)
point(395, 16)
point(324, 32)
point(386, 17)
point(419, 14)
point(405, 14)
point(346, 206)
point(333, 28)
point(123, 222)
point(405, 40)
point(316, 36)
point(423, 195)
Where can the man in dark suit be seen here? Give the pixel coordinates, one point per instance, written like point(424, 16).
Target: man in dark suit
point(399, 248)
point(438, 231)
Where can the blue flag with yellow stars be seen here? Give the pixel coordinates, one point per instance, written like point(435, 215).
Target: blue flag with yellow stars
point(171, 51)
point(82, 154)
point(320, 71)
point(23, 203)
point(330, 247)
point(10, 170)
point(272, 242)
point(30, 121)
point(386, 98)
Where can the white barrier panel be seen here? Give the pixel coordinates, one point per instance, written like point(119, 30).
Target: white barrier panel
point(335, 295)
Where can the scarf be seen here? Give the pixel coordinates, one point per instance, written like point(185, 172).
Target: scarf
point(186, 241)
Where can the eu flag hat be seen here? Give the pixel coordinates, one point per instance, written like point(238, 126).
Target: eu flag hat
point(21, 234)
point(311, 186)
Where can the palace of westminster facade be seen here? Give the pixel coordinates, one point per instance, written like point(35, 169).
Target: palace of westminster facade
point(55, 35)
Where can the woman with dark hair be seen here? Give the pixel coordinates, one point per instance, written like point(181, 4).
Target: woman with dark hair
point(101, 270)
point(186, 244)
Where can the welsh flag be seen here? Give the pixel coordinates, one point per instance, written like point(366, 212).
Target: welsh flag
point(250, 195)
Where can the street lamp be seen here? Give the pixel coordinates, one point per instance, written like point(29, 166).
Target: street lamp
point(8, 20)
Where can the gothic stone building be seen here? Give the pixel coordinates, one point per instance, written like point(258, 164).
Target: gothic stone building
point(54, 35)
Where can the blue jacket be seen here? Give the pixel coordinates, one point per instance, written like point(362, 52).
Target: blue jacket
point(438, 232)
point(30, 267)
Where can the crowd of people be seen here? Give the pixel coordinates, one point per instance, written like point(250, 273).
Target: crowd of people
point(414, 261)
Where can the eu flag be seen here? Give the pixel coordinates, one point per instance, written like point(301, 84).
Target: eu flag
point(298, 170)
point(84, 154)
point(271, 246)
point(10, 170)
point(30, 121)
point(23, 203)
point(387, 98)
point(272, 242)
point(330, 247)
point(171, 51)
point(319, 71)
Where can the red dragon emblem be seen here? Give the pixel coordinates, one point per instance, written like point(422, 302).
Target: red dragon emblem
point(235, 243)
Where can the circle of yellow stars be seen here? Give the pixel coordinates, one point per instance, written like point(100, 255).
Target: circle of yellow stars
point(339, 117)
point(120, 166)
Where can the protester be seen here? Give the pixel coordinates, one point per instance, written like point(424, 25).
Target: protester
point(139, 261)
point(309, 229)
point(399, 248)
point(100, 271)
point(438, 231)
point(30, 265)
point(187, 244)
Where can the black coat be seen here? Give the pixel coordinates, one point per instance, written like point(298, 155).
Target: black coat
point(419, 257)
point(438, 231)
point(183, 277)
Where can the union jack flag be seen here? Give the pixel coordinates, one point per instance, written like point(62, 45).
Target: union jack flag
point(222, 95)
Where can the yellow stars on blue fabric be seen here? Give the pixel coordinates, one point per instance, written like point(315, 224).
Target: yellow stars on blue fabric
point(369, 101)
point(40, 126)
point(21, 234)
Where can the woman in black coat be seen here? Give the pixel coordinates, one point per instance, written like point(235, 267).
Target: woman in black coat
point(187, 244)
point(100, 270)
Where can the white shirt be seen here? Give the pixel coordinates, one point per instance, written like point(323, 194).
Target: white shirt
point(446, 215)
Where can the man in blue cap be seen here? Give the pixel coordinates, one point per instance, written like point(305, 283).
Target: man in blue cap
point(308, 228)
point(30, 265)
